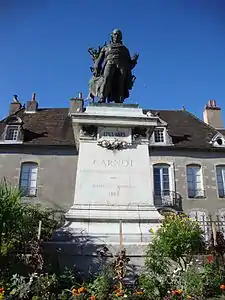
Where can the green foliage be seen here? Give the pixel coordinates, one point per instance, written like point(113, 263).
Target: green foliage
point(175, 242)
point(67, 279)
point(44, 287)
point(11, 217)
point(155, 285)
point(102, 284)
point(19, 227)
point(151, 286)
point(19, 222)
point(32, 215)
point(33, 287)
point(199, 282)
point(212, 278)
point(191, 281)
point(19, 287)
point(178, 239)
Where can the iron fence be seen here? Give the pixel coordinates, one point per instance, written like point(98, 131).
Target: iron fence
point(211, 226)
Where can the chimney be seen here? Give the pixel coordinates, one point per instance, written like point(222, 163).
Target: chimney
point(76, 104)
point(32, 105)
point(15, 105)
point(212, 115)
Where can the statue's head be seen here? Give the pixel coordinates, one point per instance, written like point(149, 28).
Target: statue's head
point(116, 36)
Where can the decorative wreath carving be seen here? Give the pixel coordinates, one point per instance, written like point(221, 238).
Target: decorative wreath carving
point(113, 145)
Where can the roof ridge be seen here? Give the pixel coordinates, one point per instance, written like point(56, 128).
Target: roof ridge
point(43, 108)
point(152, 109)
point(201, 121)
point(18, 111)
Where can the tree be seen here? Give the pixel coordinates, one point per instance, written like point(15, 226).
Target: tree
point(178, 239)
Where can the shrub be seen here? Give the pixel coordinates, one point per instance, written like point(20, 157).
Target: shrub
point(11, 217)
point(102, 284)
point(19, 230)
point(178, 239)
point(175, 242)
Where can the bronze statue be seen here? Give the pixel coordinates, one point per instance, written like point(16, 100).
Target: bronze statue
point(112, 71)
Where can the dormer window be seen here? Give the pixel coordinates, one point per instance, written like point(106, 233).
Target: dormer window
point(12, 132)
point(159, 135)
point(218, 141)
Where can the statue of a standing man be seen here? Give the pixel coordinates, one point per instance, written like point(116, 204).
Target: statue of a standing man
point(113, 71)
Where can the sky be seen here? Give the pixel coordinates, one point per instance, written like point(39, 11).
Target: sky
point(181, 44)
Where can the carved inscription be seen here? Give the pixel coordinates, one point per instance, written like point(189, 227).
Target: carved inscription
point(112, 186)
point(112, 133)
point(116, 163)
point(114, 190)
point(113, 178)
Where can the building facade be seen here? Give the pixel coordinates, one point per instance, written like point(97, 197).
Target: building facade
point(39, 151)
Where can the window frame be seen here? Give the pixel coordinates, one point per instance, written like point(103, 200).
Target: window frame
point(161, 167)
point(222, 167)
point(159, 130)
point(14, 122)
point(163, 200)
point(214, 140)
point(27, 190)
point(8, 128)
point(167, 140)
point(201, 189)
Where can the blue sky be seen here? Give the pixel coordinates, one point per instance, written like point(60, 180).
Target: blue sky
point(181, 45)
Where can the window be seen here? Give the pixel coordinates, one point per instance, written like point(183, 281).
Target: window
point(11, 133)
point(220, 174)
point(194, 181)
point(159, 135)
point(161, 181)
point(218, 141)
point(28, 178)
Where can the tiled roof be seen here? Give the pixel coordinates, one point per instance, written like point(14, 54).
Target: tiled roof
point(53, 126)
point(46, 127)
point(186, 130)
point(222, 131)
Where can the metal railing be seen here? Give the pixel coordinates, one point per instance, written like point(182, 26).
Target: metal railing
point(168, 198)
point(196, 193)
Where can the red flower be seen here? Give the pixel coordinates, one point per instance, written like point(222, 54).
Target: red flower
point(174, 292)
point(177, 292)
point(209, 259)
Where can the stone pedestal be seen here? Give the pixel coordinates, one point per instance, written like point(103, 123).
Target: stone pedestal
point(113, 182)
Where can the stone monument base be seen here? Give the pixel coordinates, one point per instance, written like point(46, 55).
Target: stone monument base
point(81, 239)
point(113, 202)
point(102, 223)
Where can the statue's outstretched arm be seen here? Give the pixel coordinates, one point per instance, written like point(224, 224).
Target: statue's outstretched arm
point(134, 60)
point(98, 62)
